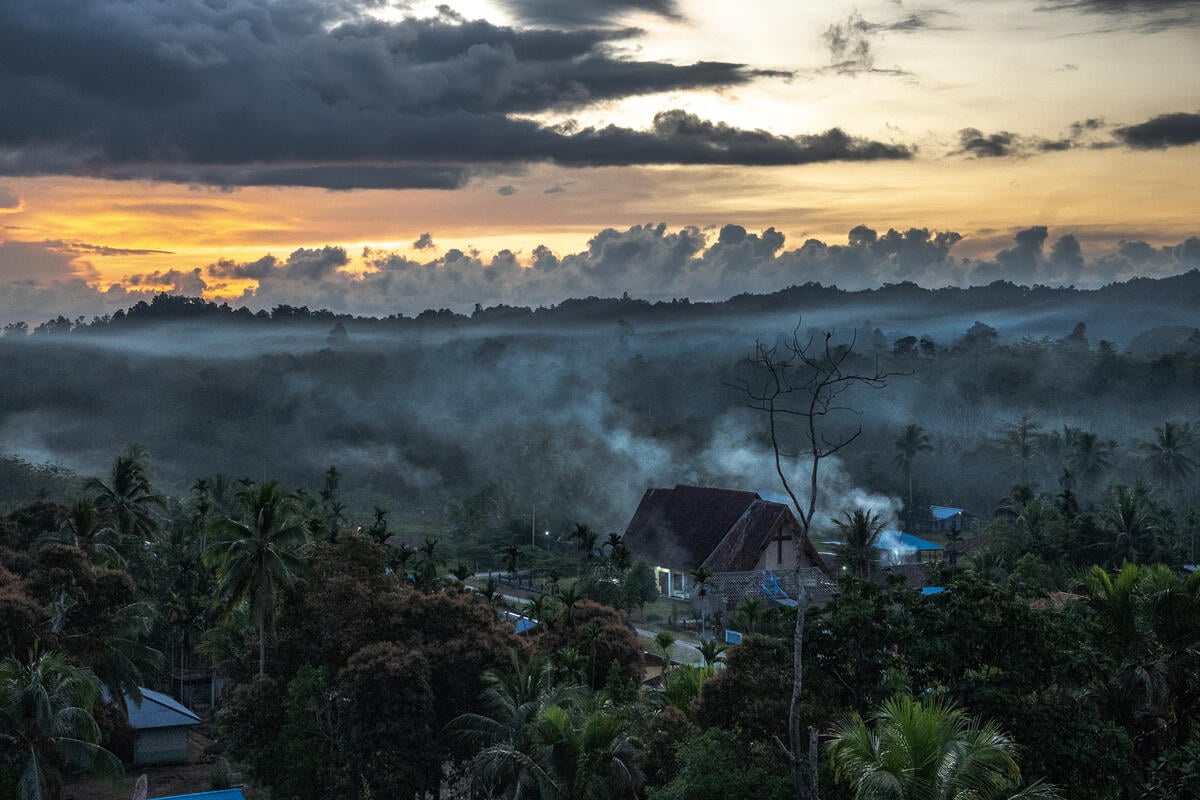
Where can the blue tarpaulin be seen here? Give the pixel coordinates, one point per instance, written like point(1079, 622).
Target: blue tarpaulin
point(932, 590)
point(899, 540)
point(221, 794)
point(944, 512)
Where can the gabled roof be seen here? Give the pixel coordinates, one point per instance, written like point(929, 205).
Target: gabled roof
point(157, 710)
point(723, 529)
point(685, 524)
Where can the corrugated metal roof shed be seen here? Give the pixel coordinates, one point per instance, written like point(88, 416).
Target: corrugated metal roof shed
point(944, 512)
point(157, 710)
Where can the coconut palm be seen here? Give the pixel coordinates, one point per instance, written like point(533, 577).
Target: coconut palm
point(1088, 456)
point(258, 555)
point(1022, 440)
point(927, 750)
point(509, 705)
point(45, 713)
point(585, 759)
point(1128, 520)
point(1169, 455)
point(909, 444)
point(127, 500)
point(86, 528)
point(860, 531)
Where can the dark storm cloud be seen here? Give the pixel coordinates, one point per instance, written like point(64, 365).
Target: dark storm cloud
point(1167, 130)
point(587, 12)
point(9, 201)
point(507, 190)
point(424, 242)
point(974, 142)
point(1089, 134)
point(309, 93)
point(303, 264)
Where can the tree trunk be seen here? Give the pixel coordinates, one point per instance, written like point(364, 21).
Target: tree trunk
point(804, 759)
point(262, 648)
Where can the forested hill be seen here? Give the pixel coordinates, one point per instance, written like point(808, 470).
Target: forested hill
point(1117, 312)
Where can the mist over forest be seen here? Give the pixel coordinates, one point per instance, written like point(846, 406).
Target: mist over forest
point(575, 409)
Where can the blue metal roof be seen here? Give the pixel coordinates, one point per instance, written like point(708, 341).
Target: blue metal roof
point(157, 710)
point(944, 512)
point(932, 590)
point(525, 625)
point(220, 794)
point(899, 540)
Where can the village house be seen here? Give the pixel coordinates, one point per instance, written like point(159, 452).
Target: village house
point(728, 531)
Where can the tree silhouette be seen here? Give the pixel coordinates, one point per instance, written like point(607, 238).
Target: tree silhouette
point(257, 555)
point(860, 531)
point(911, 442)
point(801, 385)
point(1169, 454)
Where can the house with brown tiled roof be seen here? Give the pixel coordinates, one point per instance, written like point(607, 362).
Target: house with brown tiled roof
point(728, 531)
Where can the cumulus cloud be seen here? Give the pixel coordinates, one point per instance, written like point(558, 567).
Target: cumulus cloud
point(424, 242)
point(650, 261)
point(308, 93)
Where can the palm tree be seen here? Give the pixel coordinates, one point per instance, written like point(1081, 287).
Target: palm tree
point(700, 577)
point(585, 539)
point(569, 598)
point(664, 641)
point(127, 500)
point(618, 553)
point(860, 531)
point(1128, 521)
point(1088, 456)
point(710, 649)
point(512, 557)
point(927, 750)
point(1168, 455)
point(540, 609)
point(509, 706)
point(751, 613)
point(258, 555)
point(1022, 441)
point(86, 529)
point(45, 713)
point(911, 441)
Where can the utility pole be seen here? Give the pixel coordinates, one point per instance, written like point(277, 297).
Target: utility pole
point(533, 528)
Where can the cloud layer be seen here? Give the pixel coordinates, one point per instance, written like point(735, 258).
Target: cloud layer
point(650, 261)
point(309, 93)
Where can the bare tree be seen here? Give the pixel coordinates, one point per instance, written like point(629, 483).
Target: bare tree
point(801, 385)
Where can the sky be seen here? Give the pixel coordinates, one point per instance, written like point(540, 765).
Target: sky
point(385, 157)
